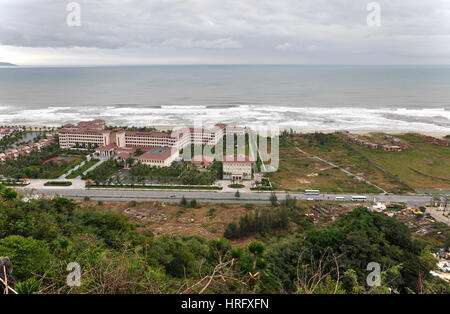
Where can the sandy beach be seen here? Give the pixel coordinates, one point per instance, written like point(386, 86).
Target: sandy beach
point(440, 135)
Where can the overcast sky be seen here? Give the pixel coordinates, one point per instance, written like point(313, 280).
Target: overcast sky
point(34, 32)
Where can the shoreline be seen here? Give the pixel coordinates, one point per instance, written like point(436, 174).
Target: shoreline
point(367, 132)
point(437, 134)
point(163, 128)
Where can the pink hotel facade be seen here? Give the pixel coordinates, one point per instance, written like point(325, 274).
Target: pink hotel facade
point(119, 142)
point(71, 135)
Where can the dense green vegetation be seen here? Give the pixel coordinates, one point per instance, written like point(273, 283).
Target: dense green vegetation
point(10, 139)
point(105, 170)
point(144, 171)
point(20, 137)
point(156, 187)
point(32, 165)
point(236, 186)
point(260, 221)
point(181, 173)
point(196, 177)
point(58, 183)
point(42, 236)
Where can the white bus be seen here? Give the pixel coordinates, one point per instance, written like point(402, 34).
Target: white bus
point(312, 192)
point(359, 198)
point(340, 198)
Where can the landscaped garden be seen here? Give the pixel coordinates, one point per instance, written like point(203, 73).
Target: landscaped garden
point(39, 164)
point(79, 171)
point(112, 173)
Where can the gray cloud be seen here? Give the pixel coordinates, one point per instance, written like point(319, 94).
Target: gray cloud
point(223, 31)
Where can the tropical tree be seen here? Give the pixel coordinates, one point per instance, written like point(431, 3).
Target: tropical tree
point(273, 199)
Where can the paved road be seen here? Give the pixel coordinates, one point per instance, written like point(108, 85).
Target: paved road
point(412, 200)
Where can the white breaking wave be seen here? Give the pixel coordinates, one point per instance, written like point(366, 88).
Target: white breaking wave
point(284, 117)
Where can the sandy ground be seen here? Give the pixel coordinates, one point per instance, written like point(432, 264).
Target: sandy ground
point(39, 184)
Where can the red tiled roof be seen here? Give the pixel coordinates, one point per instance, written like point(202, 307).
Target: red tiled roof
point(124, 155)
point(84, 131)
point(106, 147)
point(158, 153)
point(198, 159)
point(235, 128)
point(221, 125)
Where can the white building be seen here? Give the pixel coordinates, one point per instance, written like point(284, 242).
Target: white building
point(159, 157)
point(237, 167)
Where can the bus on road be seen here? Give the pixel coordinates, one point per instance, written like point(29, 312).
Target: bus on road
point(359, 198)
point(312, 192)
point(340, 198)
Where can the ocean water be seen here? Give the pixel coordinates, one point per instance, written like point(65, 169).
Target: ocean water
point(385, 98)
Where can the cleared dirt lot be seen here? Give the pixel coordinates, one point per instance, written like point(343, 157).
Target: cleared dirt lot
point(167, 218)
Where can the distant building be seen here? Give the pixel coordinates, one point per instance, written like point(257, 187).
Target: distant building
point(388, 148)
point(234, 130)
point(201, 136)
point(397, 141)
point(436, 141)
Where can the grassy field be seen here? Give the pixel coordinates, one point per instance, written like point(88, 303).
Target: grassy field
point(423, 166)
point(299, 172)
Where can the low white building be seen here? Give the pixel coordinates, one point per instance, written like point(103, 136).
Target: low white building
point(237, 167)
point(159, 156)
point(379, 207)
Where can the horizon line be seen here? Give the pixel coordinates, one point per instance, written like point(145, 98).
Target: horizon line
point(219, 64)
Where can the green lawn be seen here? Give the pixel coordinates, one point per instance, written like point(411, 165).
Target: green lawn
point(82, 169)
point(423, 166)
point(297, 172)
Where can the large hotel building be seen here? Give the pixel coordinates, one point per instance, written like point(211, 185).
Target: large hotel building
point(160, 148)
point(157, 148)
point(94, 133)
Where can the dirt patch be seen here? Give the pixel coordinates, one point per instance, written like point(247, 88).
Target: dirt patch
point(209, 221)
